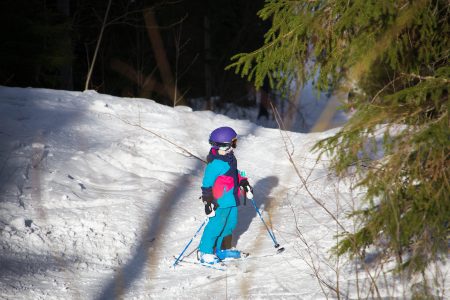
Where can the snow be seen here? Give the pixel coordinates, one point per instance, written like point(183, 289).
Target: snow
point(309, 107)
point(96, 199)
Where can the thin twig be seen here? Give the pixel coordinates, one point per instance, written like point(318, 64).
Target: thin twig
point(297, 171)
point(385, 87)
point(157, 135)
point(311, 264)
point(88, 79)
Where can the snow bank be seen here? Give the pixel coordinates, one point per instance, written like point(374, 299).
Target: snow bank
point(96, 200)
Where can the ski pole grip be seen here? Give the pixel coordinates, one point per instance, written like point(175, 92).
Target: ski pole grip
point(249, 194)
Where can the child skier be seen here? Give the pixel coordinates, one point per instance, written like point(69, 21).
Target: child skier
point(221, 195)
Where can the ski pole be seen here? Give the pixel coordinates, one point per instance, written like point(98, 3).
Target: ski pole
point(185, 248)
point(276, 245)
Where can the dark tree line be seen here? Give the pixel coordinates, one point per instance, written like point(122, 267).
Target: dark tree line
point(51, 44)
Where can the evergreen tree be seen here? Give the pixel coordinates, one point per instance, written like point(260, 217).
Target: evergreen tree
point(393, 58)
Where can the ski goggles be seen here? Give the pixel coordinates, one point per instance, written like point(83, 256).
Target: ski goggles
point(225, 146)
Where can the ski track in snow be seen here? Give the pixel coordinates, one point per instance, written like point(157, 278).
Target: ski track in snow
point(94, 208)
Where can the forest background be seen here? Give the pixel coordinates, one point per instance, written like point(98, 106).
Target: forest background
point(168, 51)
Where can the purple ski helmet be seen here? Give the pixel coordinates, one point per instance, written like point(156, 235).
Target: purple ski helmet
point(223, 137)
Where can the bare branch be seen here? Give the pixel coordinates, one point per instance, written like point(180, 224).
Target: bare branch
point(297, 171)
point(157, 135)
point(88, 79)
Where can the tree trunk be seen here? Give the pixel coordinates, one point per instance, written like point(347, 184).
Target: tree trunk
point(146, 86)
point(208, 73)
point(66, 71)
point(161, 57)
point(292, 109)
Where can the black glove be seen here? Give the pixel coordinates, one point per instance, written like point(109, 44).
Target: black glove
point(209, 208)
point(209, 201)
point(245, 185)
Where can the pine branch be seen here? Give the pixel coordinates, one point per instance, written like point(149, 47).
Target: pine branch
point(444, 80)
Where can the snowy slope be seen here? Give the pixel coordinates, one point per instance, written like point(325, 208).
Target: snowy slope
point(94, 206)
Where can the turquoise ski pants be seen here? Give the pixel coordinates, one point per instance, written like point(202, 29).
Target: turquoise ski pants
point(218, 227)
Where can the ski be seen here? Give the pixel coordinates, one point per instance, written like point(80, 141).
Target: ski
point(243, 256)
point(219, 266)
point(225, 263)
point(247, 257)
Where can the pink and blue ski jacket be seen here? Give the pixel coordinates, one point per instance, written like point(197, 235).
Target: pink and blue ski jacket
point(221, 179)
